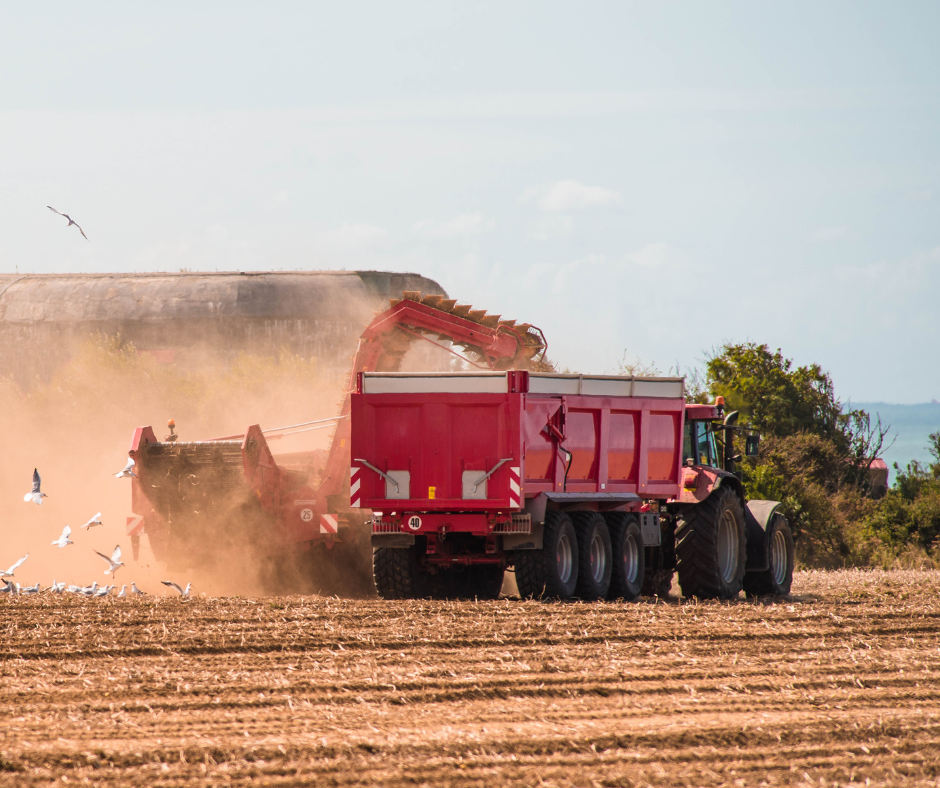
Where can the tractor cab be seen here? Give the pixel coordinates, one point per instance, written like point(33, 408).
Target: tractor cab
point(709, 437)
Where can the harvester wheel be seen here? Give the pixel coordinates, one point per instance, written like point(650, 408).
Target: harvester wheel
point(711, 546)
point(594, 555)
point(551, 572)
point(395, 572)
point(777, 578)
point(628, 556)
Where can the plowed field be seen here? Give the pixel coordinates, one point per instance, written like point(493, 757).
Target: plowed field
point(840, 684)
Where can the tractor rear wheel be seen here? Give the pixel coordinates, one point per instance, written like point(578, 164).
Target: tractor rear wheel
point(778, 577)
point(628, 556)
point(711, 546)
point(551, 572)
point(396, 572)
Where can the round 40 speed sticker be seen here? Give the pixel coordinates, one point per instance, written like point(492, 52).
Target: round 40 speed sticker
point(414, 522)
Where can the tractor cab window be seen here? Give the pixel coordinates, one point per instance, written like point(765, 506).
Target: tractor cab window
point(699, 444)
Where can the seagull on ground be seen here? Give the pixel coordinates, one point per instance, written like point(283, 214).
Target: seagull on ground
point(92, 521)
point(57, 588)
point(123, 591)
point(87, 590)
point(114, 561)
point(136, 590)
point(103, 591)
point(127, 471)
point(71, 221)
point(184, 592)
point(9, 572)
point(64, 540)
point(35, 495)
point(27, 589)
point(7, 588)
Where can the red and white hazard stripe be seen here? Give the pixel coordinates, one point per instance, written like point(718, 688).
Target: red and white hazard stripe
point(354, 484)
point(515, 486)
point(328, 523)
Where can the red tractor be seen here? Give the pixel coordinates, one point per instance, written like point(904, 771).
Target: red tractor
point(587, 486)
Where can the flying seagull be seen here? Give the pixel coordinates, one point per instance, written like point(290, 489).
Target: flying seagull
point(71, 221)
point(9, 572)
point(92, 521)
point(114, 562)
point(64, 540)
point(184, 592)
point(127, 471)
point(35, 495)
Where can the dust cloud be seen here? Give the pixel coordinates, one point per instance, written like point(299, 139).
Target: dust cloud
point(76, 428)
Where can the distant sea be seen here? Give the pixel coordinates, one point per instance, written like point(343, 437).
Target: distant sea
point(910, 425)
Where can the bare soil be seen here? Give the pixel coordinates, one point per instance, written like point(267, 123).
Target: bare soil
point(837, 685)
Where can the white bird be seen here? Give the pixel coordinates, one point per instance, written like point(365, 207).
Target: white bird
point(92, 521)
point(73, 589)
point(114, 562)
point(103, 591)
point(136, 590)
point(9, 572)
point(57, 588)
point(7, 588)
point(184, 592)
point(127, 471)
point(88, 590)
point(27, 589)
point(71, 221)
point(123, 591)
point(64, 540)
point(35, 495)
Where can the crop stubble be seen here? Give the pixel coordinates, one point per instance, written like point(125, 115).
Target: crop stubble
point(835, 685)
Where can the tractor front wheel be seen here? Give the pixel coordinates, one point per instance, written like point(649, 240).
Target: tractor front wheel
point(778, 546)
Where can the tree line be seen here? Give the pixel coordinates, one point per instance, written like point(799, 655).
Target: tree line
point(815, 456)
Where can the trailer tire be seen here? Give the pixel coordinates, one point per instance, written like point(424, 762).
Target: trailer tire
point(778, 577)
point(628, 564)
point(594, 555)
point(711, 547)
point(395, 572)
point(551, 572)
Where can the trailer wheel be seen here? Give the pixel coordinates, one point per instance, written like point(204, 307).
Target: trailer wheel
point(778, 577)
point(711, 546)
point(395, 571)
point(551, 572)
point(594, 555)
point(628, 564)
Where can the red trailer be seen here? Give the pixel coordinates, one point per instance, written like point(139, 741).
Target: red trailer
point(588, 486)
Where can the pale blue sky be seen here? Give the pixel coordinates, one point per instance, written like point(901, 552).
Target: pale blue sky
point(650, 177)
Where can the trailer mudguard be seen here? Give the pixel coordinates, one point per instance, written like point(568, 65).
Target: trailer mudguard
point(757, 516)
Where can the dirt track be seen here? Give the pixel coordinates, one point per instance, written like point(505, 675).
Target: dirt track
point(839, 684)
